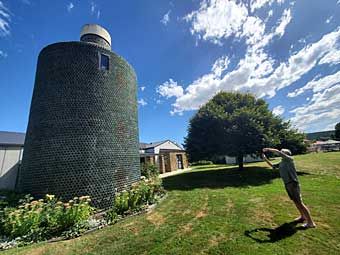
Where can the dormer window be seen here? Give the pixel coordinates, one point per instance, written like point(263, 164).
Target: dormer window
point(104, 62)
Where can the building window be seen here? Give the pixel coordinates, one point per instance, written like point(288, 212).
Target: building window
point(104, 61)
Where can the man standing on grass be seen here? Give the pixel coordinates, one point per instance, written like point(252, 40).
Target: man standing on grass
point(291, 181)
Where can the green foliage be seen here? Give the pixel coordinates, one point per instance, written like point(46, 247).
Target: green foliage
point(234, 124)
point(142, 193)
point(149, 170)
point(202, 162)
point(11, 198)
point(42, 219)
point(337, 131)
point(293, 140)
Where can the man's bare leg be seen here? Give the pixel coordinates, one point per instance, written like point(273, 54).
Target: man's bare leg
point(302, 217)
point(305, 213)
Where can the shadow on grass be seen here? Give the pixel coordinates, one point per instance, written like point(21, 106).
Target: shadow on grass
point(268, 235)
point(220, 178)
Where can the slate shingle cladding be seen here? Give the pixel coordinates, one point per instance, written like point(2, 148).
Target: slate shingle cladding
point(82, 135)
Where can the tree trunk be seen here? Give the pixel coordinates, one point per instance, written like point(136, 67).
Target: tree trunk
point(240, 161)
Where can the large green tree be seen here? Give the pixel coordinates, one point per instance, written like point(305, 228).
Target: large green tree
point(233, 124)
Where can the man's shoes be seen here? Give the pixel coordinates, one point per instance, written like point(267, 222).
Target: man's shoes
point(306, 225)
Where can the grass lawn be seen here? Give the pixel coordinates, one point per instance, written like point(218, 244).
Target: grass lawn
point(219, 210)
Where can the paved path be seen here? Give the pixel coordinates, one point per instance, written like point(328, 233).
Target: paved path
point(174, 172)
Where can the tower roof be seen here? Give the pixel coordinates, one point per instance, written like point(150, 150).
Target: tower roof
point(95, 29)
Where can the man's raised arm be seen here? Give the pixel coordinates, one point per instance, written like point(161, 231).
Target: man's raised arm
point(267, 160)
point(277, 152)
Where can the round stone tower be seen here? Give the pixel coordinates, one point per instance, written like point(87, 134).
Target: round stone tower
point(82, 134)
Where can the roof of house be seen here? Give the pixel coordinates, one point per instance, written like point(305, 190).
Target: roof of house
point(12, 138)
point(150, 145)
point(327, 142)
point(143, 146)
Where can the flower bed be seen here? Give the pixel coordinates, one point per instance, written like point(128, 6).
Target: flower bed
point(31, 220)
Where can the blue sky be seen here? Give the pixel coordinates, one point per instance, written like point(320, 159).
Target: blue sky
point(184, 52)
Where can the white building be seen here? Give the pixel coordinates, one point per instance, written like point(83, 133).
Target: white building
point(11, 149)
point(167, 155)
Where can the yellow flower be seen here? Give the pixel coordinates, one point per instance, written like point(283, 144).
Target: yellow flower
point(49, 197)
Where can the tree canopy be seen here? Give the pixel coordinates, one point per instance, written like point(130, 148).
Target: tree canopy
point(337, 131)
point(236, 124)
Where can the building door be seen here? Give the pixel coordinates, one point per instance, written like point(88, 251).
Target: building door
point(179, 161)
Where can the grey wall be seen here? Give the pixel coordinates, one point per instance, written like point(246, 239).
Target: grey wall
point(10, 158)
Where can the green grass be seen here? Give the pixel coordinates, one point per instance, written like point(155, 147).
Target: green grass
point(219, 210)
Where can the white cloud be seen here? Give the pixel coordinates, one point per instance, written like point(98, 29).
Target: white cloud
point(332, 57)
point(270, 14)
point(318, 85)
point(69, 7)
point(170, 89)
point(166, 18)
point(142, 102)
point(329, 19)
point(142, 88)
point(217, 19)
point(322, 112)
point(278, 110)
point(284, 21)
point(3, 54)
point(258, 4)
point(93, 7)
point(220, 65)
point(4, 20)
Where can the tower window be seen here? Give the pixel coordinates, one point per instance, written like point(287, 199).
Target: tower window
point(104, 61)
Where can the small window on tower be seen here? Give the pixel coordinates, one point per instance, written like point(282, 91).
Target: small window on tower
point(104, 62)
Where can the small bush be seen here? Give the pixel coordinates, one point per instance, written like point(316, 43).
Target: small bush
point(142, 193)
point(149, 170)
point(42, 219)
point(202, 162)
point(11, 198)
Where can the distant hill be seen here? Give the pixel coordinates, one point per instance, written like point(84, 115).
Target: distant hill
point(324, 135)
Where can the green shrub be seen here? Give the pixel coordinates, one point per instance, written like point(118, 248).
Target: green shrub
point(11, 198)
point(42, 219)
point(149, 170)
point(202, 162)
point(142, 193)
